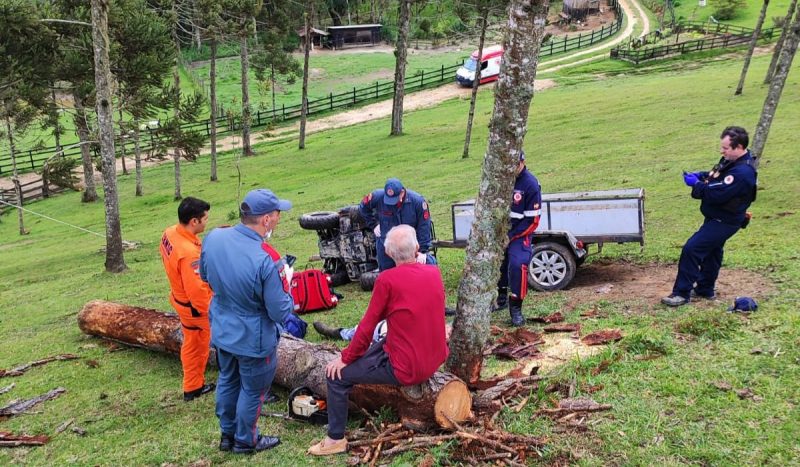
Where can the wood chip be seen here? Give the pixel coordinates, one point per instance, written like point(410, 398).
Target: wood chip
point(602, 337)
point(18, 407)
point(19, 370)
point(563, 327)
point(10, 440)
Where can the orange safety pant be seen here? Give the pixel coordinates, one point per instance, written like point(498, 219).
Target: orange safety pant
point(195, 348)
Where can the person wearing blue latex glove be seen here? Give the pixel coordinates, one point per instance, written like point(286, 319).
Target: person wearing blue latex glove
point(690, 178)
point(725, 193)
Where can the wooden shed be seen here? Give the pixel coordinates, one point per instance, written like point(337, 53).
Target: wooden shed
point(318, 37)
point(579, 9)
point(354, 35)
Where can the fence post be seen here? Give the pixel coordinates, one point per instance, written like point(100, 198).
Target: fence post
point(442, 78)
point(566, 36)
point(30, 156)
point(283, 111)
point(376, 89)
point(330, 97)
point(354, 94)
point(591, 40)
point(422, 79)
point(552, 42)
point(258, 117)
point(208, 127)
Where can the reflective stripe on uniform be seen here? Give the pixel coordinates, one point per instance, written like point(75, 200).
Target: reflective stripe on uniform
point(516, 215)
point(533, 213)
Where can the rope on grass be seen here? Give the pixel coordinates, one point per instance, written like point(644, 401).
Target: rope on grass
point(52, 219)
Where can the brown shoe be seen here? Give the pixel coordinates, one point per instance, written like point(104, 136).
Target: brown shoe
point(320, 449)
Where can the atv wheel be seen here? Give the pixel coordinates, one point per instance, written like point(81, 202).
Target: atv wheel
point(320, 220)
point(367, 280)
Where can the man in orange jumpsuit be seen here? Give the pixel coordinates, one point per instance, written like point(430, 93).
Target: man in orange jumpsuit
point(180, 252)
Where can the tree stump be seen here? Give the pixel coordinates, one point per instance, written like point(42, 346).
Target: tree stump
point(300, 363)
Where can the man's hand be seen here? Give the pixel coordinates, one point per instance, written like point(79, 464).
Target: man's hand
point(377, 230)
point(334, 368)
point(422, 258)
point(690, 179)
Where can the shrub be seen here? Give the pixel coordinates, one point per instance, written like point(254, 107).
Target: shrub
point(727, 9)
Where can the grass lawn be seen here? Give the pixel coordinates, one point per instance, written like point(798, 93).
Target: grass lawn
point(619, 131)
point(747, 17)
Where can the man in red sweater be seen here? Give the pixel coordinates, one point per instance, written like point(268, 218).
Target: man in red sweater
point(410, 297)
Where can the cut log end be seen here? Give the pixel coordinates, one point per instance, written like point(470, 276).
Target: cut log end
point(453, 403)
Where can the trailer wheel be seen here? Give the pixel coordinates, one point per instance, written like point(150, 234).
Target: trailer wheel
point(339, 278)
point(552, 267)
point(320, 220)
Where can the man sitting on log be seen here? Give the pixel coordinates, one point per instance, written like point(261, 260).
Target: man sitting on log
point(410, 297)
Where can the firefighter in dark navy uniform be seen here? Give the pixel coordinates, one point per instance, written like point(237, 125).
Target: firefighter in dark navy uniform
point(725, 193)
point(525, 210)
point(394, 205)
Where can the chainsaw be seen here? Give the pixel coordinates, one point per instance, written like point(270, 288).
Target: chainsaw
point(305, 406)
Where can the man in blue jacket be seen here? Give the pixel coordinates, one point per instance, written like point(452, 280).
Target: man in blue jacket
point(250, 299)
point(394, 205)
point(524, 216)
point(725, 193)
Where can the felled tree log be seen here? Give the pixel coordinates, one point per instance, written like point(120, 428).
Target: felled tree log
point(300, 363)
point(130, 325)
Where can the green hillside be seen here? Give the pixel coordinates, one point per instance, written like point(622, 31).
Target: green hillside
point(604, 132)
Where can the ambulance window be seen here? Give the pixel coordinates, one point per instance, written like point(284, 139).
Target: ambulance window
point(484, 65)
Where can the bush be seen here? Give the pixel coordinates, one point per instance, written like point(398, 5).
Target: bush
point(727, 9)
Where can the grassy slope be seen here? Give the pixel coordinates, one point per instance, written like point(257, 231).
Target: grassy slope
point(747, 17)
point(619, 132)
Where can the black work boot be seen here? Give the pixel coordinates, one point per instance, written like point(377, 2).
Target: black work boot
point(515, 310)
point(204, 389)
point(263, 443)
point(226, 442)
point(328, 331)
point(502, 300)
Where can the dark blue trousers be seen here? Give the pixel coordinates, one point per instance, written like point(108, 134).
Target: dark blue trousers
point(241, 388)
point(372, 368)
point(514, 270)
point(701, 259)
point(385, 262)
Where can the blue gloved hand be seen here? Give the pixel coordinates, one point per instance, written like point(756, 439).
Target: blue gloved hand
point(690, 179)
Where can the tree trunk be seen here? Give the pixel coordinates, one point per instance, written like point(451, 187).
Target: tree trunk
point(57, 130)
point(137, 158)
point(212, 77)
point(753, 42)
point(82, 127)
point(304, 101)
point(475, 83)
point(122, 137)
point(15, 176)
point(400, 67)
point(102, 75)
point(513, 93)
point(176, 80)
point(272, 88)
point(246, 150)
point(300, 363)
point(787, 21)
point(775, 89)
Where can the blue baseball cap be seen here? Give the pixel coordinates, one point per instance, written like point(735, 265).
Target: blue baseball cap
point(262, 201)
point(391, 192)
point(744, 304)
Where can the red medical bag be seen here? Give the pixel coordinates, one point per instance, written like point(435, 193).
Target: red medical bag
point(311, 291)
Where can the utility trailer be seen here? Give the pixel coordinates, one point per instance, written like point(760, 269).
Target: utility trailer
point(569, 223)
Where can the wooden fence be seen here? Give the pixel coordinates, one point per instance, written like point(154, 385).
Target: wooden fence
point(723, 36)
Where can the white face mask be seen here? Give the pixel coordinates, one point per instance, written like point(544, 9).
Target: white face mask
point(268, 235)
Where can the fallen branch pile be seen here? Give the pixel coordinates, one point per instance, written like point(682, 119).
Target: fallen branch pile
point(473, 446)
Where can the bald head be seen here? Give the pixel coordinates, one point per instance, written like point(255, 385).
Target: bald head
point(401, 244)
